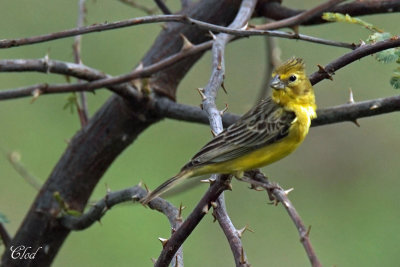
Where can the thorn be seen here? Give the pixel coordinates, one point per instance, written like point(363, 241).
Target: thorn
point(374, 106)
point(46, 61)
point(108, 190)
point(215, 217)
point(241, 231)
point(322, 69)
point(205, 209)
point(214, 204)
point(256, 188)
point(288, 191)
point(163, 241)
point(179, 218)
point(229, 187)
point(219, 57)
point(140, 183)
point(186, 43)
point(351, 97)
point(135, 197)
point(153, 260)
point(308, 231)
point(201, 106)
point(223, 87)
point(242, 259)
point(137, 83)
point(208, 181)
point(213, 133)
point(244, 26)
point(212, 35)
point(147, 189)
point(295, 30)
point(224, 110)
point(201, 92)
point(362, 43)
point(36, 93)
point(356, 123)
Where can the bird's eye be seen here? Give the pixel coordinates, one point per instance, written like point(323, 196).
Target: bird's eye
point(292, 78)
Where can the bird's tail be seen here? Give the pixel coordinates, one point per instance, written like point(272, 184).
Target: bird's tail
point(167, 185)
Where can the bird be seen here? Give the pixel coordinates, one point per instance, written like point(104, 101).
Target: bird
point(268, 132)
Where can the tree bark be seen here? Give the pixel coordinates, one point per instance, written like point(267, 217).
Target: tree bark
point(115, 126)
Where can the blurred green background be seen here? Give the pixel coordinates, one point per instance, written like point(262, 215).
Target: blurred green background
point(346, 179)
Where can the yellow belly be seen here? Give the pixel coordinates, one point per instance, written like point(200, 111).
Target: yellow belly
point(263, 156)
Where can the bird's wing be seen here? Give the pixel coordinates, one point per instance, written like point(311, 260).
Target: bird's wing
point(266, 123)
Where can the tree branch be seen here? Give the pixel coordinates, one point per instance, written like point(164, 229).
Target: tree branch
point(301, 17)
point(192, 221)
point(116, 125)
point(130, 194)
point(82, 107)
point(258, 179)
point(274, 10)
point(168, 18)
point(163, 7)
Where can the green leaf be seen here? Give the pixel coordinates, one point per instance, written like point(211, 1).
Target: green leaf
point(338, 17)
point(72, 103)
point(3, 218)
point(395, 80)
point(387, 56)
point(378, 36)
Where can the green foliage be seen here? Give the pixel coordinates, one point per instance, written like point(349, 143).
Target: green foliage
point(72, 102)
point(395, 80)
point(385, 56)
point(338, 17)
point(3, 218)
point(64, 206)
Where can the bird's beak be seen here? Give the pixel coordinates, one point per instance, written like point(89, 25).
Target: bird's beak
point(276, 83)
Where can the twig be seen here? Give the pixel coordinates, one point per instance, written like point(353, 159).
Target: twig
point(14, 159)
point(209, 106)
point(5, 237)
point(82, 107)
point(274, 10)
point(191, 221)
point(134, 193)
point(107, 82)
point(258, 179)
point(8, 43)
point(336, 114)
point(300, 18)
point(163, 7)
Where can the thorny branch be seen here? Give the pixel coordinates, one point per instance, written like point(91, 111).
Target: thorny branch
point(167, 18)
point(257, 179)
point(134, 193)
point(209, 94)
point(331, 115)
point(301, 17)
point(274, 10)
point(82, 109)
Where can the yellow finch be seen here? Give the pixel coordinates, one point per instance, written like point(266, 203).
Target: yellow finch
point(268, 132)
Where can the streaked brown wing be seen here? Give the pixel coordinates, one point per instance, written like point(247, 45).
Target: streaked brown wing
point(262, 125)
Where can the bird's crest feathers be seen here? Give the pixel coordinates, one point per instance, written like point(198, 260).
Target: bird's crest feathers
point(290, 66)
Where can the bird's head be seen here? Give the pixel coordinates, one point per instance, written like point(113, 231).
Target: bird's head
point(290, 81)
